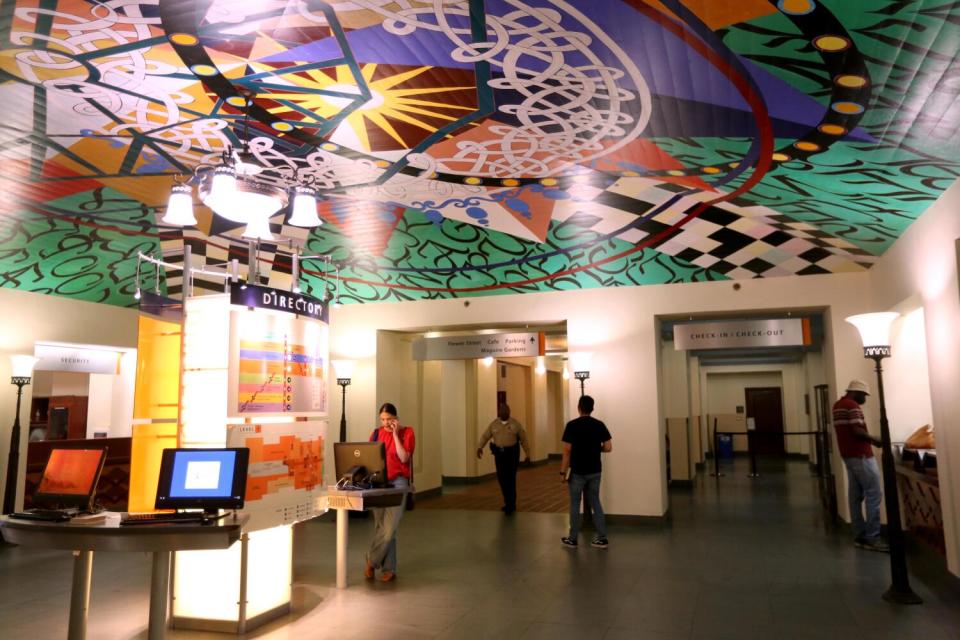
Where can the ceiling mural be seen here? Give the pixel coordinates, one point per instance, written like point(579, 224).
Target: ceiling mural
point(472, 147)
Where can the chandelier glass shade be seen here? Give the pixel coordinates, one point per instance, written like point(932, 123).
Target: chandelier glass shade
point(235, 191)
point(180, 207)
point(304, 207)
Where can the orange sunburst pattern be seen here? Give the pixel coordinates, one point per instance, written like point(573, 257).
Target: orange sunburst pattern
point(406, 105)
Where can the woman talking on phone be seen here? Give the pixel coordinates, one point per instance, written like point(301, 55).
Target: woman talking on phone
point(398, 443)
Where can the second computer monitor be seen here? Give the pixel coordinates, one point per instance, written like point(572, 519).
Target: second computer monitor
point(70, 478)
point(369, 455)
point(207, 479)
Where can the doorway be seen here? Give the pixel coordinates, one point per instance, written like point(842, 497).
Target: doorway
point(765, 406)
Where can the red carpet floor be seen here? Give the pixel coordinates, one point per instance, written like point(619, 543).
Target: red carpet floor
point(538, 490)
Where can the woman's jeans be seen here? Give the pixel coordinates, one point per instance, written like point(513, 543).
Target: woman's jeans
point(863, 478)
point(592, 484)
point(383, 547)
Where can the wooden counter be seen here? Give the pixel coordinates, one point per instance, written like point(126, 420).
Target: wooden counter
point(920, 497)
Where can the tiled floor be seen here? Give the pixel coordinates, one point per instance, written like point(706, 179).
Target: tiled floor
point(739, 559)
point(538, 490)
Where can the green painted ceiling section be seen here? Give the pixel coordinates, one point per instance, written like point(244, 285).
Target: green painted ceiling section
point(669, 142)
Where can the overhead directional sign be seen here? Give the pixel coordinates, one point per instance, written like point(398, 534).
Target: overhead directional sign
point(483, 345)
point(739, 334)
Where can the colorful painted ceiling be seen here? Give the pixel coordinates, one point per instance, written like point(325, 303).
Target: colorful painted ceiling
point(470, 147)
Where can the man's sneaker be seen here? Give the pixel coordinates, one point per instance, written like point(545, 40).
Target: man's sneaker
point(872, 544)
point(599, 542)
point(569, 542)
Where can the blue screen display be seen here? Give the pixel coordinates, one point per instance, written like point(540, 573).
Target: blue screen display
point(202, 474)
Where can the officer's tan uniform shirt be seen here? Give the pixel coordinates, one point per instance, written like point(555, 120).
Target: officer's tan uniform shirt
point(505, 435)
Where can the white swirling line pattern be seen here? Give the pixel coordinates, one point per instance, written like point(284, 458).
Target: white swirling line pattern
point(132, 71)
point(582, 127)
point(128, 71)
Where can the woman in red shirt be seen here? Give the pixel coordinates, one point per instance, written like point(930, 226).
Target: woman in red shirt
point(398, 443)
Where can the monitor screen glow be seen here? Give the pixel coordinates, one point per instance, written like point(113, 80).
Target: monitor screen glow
point(70, 477)
point(369, 455)
point(202, 479)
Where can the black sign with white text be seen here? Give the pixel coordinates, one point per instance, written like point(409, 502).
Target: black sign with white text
point(259, 297)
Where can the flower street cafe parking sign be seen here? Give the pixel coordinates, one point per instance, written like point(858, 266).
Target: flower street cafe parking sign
point(496, 345)
point(739, 334)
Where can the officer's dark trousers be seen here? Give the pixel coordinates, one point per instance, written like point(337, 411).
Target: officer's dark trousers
point(507, 461)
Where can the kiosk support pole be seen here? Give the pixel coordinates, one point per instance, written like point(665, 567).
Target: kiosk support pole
point(342, 537)
point(80, 595)
point(159, 590)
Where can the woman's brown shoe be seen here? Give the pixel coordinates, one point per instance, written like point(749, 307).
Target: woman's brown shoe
point(368, 571)
point(387, 576)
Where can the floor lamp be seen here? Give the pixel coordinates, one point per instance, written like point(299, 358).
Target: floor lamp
point(581, 367)
point(582, 376)
point(344, 371)
point(874, 331)
point(21, 370)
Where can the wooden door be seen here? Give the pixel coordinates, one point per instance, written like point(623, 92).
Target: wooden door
point(765, 406)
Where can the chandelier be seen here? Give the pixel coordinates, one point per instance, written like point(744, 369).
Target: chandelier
point(237, 190)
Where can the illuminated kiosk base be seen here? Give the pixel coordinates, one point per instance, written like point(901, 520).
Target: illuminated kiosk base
point(236, 589)
point(344, 501)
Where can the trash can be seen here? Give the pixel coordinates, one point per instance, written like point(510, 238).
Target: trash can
point(725, 445)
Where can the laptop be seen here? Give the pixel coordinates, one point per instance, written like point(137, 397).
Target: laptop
point(68, 485)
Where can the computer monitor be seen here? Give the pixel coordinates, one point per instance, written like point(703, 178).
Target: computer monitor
point(369, 455)
point(207, 479)
point(70, 478)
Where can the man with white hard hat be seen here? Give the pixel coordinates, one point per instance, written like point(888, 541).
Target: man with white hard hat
point(863, 474)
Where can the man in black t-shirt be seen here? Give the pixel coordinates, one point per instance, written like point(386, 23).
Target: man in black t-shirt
point(584, 438)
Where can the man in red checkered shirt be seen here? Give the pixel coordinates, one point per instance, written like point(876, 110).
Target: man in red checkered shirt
point(863, 474)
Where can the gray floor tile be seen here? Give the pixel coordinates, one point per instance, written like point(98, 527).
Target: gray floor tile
point(738, 559)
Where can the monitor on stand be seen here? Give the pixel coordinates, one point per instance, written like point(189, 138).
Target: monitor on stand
point(70, 479)
point(208, 479)
point(360, 463)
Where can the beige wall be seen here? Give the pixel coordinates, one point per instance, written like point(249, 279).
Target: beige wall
point(555, 405)
point(908, 375)
point(59, 383)
point(674, 380)
point(456, 410)
point(486, 412)
point(29, 317)
point(922, 265)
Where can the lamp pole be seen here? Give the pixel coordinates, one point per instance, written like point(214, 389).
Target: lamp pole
point(344, 383)
point(899, 591)
point(13, 457)
point(582, 376)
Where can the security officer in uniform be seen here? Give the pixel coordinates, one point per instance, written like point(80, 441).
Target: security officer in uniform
point(506, 436)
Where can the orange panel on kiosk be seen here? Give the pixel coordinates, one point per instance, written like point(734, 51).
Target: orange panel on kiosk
point(155, 406)
point(146, 450)
point(158, 370)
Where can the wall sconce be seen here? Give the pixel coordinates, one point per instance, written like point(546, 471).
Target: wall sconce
point(541, 367)
point(488, 361)
point(874, 329)
point(21, 370)
point(344, 369)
